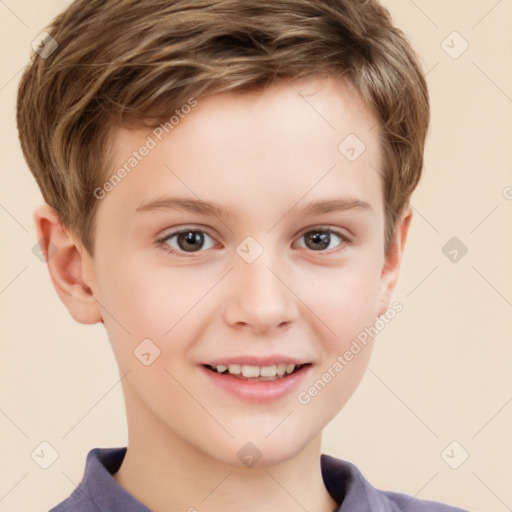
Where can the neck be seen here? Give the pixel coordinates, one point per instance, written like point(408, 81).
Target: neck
point(165, 473)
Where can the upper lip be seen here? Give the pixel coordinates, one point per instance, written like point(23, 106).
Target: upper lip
point(256, 360)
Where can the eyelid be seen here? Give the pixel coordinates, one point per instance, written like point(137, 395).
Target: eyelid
point(319, 227)
point(184, 227)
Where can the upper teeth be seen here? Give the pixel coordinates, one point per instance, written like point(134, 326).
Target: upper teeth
point(256, 371)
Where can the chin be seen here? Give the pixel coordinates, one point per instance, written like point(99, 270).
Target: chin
point(259, 451)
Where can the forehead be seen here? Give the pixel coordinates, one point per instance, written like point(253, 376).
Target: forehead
point(289, 110)
point(293, 139)
point(332, 106)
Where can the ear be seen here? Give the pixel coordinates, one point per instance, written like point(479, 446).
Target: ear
point(393, 259)
point(64, 258)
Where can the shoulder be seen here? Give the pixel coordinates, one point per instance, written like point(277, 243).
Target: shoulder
point(348, 486)
point(76, 502)
point(407, 503)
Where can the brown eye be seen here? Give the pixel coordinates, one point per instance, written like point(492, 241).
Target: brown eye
point(322, 239)
point(191, 240)
point(188, 240)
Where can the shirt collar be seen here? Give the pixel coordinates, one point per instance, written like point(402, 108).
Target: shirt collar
point(348, 486)
point(342, 479)
point(99, 485)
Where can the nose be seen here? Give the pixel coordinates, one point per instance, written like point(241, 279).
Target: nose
point(260, 299)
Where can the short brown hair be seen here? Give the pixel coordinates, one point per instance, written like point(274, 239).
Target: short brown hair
point(139, 60)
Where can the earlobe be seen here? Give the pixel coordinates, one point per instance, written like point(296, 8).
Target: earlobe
point(65, 264)
point(393, 260)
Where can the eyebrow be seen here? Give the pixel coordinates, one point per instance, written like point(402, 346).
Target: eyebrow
point(212, 208)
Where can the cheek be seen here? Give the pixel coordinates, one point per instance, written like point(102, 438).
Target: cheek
point(167, 306)
point(346, 301)
point(331, 388)
point(347, 305)
point(145, 299)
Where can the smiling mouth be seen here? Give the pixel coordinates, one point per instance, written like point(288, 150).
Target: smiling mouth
point(256, 373)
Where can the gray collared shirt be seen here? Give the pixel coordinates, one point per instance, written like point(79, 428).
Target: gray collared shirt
point(99, 492)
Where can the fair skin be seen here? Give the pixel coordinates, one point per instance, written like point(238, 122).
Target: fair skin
point(265, 156)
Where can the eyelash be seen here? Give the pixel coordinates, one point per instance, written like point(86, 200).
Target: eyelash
point(344, 241)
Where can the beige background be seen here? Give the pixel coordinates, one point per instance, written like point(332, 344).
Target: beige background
point(441, 371)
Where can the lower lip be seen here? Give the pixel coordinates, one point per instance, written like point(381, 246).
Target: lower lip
point(257, 391)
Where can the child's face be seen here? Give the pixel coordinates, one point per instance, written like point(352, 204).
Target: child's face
point(305, 298)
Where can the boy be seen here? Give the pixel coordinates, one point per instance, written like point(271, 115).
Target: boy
point(282, 141)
